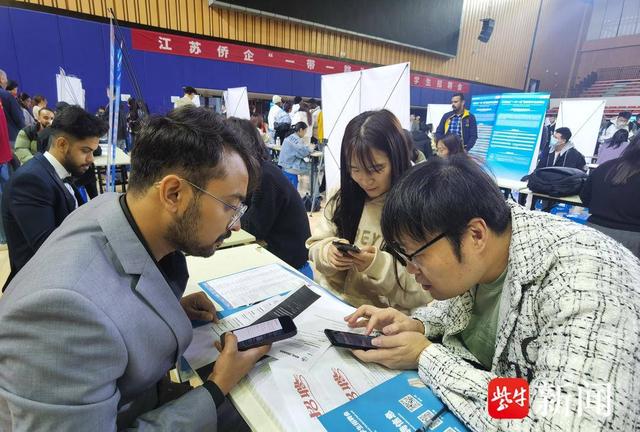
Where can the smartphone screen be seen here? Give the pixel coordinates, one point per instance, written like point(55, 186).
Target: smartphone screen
point(265, 332)
point(350, 340)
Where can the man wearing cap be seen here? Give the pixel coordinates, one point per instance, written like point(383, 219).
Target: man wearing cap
point(273, 112)
point(187, 99)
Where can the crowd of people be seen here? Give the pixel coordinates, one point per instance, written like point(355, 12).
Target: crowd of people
point(461, 284)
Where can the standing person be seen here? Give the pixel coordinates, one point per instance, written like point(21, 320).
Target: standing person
point(40, 195)
point(282, 123)
point(38, 103)
point(449, 145)
point(294, 157)
point(95, 321)
point(459, 122)
point(33, 139)
point(611, 193)
point(276, 215)
point(188, 98)
point(614, 146)
point(276, 107)
point(12, 111)
point(373, 157)
point(517, 294)
point(134, 118)
point(303, 114)
point(26, 104)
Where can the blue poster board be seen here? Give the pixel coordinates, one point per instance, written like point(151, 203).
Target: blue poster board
point(516, 134)
point(484, 108)
point(401, 404)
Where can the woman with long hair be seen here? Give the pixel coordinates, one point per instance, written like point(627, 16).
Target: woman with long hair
point(614, 146)
point(611, 193)
point(374, 155)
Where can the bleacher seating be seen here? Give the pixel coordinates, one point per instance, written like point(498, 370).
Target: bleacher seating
point(623, 81)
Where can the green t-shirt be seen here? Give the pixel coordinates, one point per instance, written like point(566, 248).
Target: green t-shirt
point(480, 335)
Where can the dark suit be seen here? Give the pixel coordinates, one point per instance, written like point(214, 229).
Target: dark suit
point(13, 113)
point(34, 203)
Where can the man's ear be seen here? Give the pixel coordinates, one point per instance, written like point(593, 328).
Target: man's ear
point(173, 193)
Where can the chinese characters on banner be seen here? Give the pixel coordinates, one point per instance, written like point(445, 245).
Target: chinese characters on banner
point(144, 40)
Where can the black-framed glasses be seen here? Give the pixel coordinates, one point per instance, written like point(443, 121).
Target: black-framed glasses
point(404, 258)
point(239, 210)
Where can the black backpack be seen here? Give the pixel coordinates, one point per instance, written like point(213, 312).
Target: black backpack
point(556, 181)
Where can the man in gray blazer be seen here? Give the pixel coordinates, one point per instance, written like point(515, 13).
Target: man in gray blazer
point(96, 318)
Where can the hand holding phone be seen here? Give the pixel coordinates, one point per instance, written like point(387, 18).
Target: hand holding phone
point(349, 340)
point(345, 247)
point(263, 333)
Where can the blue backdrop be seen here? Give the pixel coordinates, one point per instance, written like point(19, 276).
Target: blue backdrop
point(35, 44)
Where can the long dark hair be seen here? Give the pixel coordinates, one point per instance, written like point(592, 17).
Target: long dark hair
point(370, 130)
point(621, 136)
point(627, 165)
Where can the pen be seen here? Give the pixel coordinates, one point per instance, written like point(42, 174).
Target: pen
point(425, 426)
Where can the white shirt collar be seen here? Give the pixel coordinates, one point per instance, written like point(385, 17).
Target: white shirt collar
point(60, 170)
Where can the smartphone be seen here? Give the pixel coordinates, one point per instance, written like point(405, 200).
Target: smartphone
point(349, 340)
point(346, 247)
point(263, 333)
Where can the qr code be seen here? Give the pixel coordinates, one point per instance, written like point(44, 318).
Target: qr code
point(410, 403)
point(428, 415)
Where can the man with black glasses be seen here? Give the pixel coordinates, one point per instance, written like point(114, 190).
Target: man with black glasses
point(517, 294)
point(96, 319)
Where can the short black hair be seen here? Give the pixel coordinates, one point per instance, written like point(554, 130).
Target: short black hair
point(75, 122)
point(188, 141)
point(12, 85)
point(565, 133)
point(442, 196)
point(461, 95)
point(625, 114)
point(189, 90)
point(60, 106)
point(297, 100)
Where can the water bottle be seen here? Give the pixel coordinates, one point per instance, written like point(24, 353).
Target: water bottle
point(278, 141)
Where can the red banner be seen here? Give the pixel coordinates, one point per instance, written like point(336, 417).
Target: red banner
point(157, 42)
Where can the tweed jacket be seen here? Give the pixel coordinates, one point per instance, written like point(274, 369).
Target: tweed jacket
point(568, 323)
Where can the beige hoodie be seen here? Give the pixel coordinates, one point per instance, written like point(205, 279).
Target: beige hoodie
point(377, 284)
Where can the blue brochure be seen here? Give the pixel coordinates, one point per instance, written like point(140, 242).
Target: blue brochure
point(402, 404)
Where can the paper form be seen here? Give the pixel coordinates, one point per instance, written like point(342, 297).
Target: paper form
point(306, 394)
point(252, 286)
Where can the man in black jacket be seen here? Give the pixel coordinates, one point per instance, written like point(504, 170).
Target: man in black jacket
point(562, 152)
point(40, 194)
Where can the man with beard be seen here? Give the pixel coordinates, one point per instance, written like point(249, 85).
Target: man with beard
point(34, 138)
point(96, 319)
point(40, 195)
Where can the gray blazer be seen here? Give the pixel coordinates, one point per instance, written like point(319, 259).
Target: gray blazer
point(88, 328)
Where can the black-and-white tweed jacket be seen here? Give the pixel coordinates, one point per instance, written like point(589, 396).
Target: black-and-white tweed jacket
point(569, 324)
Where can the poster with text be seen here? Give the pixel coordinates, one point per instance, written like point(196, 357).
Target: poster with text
point(516, 134)
point(484, 108)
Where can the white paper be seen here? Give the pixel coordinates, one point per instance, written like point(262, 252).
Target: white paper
point(583, 117)
point(69, 89)
point(334, 381)
point(254, 285)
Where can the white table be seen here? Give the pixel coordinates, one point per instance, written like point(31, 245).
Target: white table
point(573, 200)
point(238, 238)
point(223, 263)
point(515, 185)
point(121, 162)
